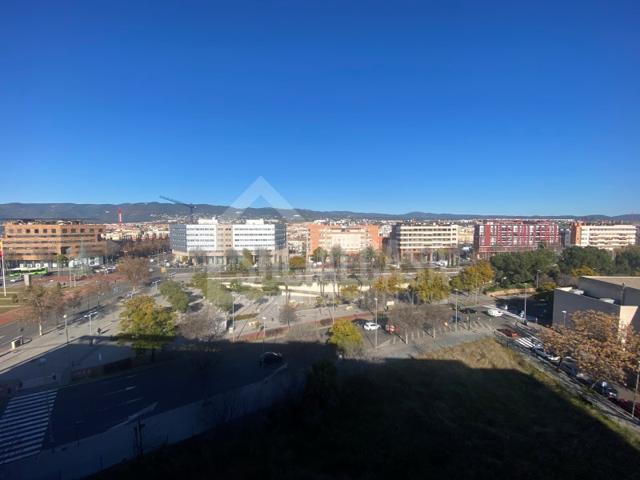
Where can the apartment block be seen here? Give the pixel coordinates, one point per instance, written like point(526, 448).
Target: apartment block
point(604, 236)
point(505, 236)
point(351, 238)
point(37, 243)
point(422, 241)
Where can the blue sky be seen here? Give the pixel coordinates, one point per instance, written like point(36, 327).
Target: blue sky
point(440, 106)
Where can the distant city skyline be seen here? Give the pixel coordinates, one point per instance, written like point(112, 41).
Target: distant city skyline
point(390, 107)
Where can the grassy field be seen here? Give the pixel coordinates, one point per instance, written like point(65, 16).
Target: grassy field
point(473, 411)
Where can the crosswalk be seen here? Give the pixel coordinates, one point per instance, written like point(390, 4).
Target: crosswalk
point(23, 425)
point(528, 342)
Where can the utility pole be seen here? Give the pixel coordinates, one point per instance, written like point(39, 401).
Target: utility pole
point(66, 330)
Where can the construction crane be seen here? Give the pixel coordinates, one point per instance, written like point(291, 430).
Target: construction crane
point(190, 206)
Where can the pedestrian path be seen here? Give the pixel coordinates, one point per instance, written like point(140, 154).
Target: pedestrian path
point(23, 425)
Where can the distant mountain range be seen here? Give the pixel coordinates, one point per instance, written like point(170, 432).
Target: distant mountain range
point(144, 212)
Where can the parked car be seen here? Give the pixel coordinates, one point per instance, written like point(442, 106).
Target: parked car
point(603, 388)
point(493, 312)
point(371, 326)
point(389, 327)
point(568, 366)
point(508, 332)
point(271, 359)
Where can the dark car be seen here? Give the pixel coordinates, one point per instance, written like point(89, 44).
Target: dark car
point(271, 359)
point(603, 388)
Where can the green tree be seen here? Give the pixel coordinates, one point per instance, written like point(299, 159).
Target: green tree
point(199, 280)
point(270, 287)
point(146, 324)
point(247, 259)
point(473, 276)
point(346, 337)
point(218, 295)
point(368, 255)
point(288, 314)
point(600, 261)
point(349, 292)
point(431, 286)
point(319, 255)
point(297, 263)
point(522, 267)
point(627, 261)
point(336, 256)
point(175, 295)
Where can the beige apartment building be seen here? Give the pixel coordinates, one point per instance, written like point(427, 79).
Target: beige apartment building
point(352, 239)
point(604, 236)
point(421, 241)
point(33, 243)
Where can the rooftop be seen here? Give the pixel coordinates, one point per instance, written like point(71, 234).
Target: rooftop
point(633, 282)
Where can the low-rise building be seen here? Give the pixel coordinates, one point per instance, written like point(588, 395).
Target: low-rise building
point(507, 236)
point(38, 243)
point(604, 236)
point(618, 296)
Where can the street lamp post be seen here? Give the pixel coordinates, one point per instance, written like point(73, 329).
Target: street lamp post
point(66, 330)
point(376, 330)
point(456, 294)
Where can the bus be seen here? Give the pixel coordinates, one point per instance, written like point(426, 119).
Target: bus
point(18, 272)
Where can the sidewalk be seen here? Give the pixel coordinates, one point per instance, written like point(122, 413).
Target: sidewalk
point(49, 360)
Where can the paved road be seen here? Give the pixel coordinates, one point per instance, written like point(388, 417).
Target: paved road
point(85, 409)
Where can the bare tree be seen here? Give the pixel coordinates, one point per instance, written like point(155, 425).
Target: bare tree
point(136, 270)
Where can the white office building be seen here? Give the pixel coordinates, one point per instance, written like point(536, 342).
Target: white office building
point(256, 235)
point(212, 242)
point(185, 239)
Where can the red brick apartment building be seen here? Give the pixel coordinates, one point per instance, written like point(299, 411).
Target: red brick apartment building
point(500, 236)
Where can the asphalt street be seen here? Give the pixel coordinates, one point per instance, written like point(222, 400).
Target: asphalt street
point(89, 408)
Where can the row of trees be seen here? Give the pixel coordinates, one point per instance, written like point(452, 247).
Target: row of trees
point(599, 345)
point(544, 266)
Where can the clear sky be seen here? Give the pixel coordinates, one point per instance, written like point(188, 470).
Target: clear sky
point(442, 106)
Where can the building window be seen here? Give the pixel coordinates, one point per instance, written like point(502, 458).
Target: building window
point(27, 230)
point(64, 230)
